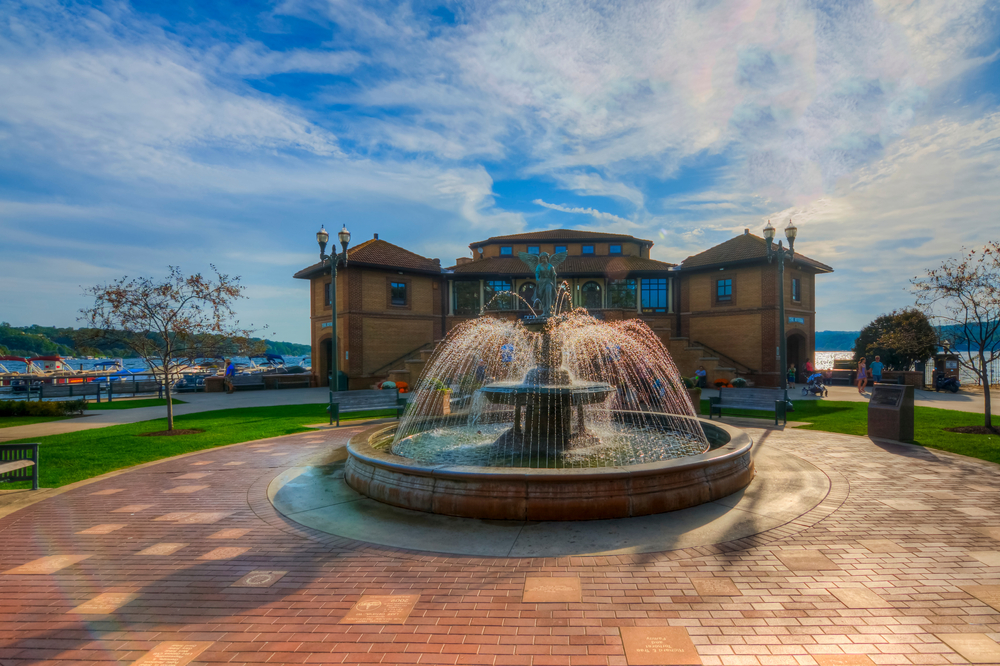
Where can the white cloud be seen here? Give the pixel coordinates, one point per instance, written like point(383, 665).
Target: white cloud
point(593, 212)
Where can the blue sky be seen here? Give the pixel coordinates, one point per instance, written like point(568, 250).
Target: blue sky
point(138, 135)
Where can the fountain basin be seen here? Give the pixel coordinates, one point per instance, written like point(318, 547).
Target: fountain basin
point(518, 493)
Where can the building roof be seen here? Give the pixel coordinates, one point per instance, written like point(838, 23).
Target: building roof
point(559, 235)
point(381, 254)
point(616, 266)
point(745, 248)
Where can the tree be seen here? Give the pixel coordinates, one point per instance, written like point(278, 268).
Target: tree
point(169, 322)
point(964, 293)
point(901, 338)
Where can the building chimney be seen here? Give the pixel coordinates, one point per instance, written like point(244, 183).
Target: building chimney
point(746, 232)
point(463, 260)
point(376, 236)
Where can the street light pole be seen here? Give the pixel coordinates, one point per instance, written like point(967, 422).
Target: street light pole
point(322, 237)
point(791, 231)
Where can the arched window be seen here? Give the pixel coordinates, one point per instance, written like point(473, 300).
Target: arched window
point(591, 295)
point(527, 292)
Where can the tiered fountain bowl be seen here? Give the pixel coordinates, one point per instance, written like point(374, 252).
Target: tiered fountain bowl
point(575, 420)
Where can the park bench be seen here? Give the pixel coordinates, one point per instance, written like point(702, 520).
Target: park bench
point(361, 401)
point(81, 390)
point(19, 462)
point(757, 399)
point(248, 382)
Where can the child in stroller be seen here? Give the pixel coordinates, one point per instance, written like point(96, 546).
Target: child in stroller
point(814, 385)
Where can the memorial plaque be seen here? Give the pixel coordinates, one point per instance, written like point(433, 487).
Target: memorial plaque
point(172, 653)
point(48, 564)
point(105, 603)
point(805, 560)
point(224, 553)
point(906, 505)
point(658, 646)
point(193, 475)
point(102, 529)
point(843, 660)
point(259, 579)
point(890, 412)
point(174, 517)
point(204, 518)
point(882, 546)
point(988, 594)
point(975, 511)
point(109, 491)
point(184, 490)
point(230, 533)
point(236, 462)
point(132, 508)
point(381, 609)
point(990, 558)
point(991, 532)
point(716, 587)
point(974, 648)
point(162, 549)
point(539, 589)
point(858, 597)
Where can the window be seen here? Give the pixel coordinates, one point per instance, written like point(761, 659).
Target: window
point(724, 290)
point(614, 249)
point(655, 295)
point(621, 294)
point(591, 295)
point(560, 248)
point(533, 249)
point(498, 295)
point(506, 250)
point(796, 289)
point(527, 294)
point(587, 249)
point(466, 295)
point(398, 293)
point(326, 293)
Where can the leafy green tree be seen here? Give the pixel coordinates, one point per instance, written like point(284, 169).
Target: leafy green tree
point(901, 338)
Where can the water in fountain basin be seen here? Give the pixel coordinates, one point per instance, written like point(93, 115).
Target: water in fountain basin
point(579, 393)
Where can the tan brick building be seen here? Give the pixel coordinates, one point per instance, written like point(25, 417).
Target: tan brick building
point(718, 308)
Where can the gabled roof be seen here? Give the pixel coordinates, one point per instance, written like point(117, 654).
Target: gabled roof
point(559, 235)
point(617, 266)
point(380, 254)
point(745, 248)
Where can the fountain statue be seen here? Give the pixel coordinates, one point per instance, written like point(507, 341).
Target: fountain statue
point(544, 268)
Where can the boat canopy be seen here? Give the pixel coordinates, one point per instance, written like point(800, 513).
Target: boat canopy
point(14, 358)
point(54, 357)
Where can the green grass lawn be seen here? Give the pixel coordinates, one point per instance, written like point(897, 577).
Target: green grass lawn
point(132, 404)
point(88, 453)
point(851, 418)
point(11, 421)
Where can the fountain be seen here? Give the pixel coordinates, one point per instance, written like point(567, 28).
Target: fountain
point(558, 417)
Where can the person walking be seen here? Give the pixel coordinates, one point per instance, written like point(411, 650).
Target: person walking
point(230, 373)
point(877, 370)
point(862, 375)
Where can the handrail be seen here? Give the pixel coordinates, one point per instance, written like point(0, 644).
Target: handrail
point(747, 370)
point(387, 366)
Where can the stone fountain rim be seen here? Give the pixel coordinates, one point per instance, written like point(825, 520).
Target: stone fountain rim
point(359, 447)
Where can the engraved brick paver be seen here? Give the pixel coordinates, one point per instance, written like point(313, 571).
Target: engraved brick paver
point(890, 568)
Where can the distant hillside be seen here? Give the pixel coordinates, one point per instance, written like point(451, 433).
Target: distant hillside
point(44, 340)
point(835, 340)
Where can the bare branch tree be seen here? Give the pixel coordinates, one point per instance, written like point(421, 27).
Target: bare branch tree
point(964, 293)
point(169, 322)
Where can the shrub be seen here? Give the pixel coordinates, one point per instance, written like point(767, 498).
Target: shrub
point(689, 382)
point(739, 382)
point(27, 408)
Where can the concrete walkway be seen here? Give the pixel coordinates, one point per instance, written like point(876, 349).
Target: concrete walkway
point(186, 561)
point(963, 401)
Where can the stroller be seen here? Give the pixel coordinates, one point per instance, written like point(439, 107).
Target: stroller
point(814, 385)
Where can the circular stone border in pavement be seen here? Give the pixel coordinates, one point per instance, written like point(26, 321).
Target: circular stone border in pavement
point(787, 495)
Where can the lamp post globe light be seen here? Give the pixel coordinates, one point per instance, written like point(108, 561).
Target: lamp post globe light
point(791, 231)
point(322, 237)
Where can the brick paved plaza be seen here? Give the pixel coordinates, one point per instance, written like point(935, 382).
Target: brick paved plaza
point(186, 561)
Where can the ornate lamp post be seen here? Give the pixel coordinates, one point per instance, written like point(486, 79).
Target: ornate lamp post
point(322, 237)
point(791, 231)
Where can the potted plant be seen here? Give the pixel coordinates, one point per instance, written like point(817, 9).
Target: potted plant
point(440, 397)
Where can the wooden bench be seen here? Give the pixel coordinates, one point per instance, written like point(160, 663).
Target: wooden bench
point(757, 399)
point(249, 382)
point(345, 402)
point(81, 390)
point(19, 462)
